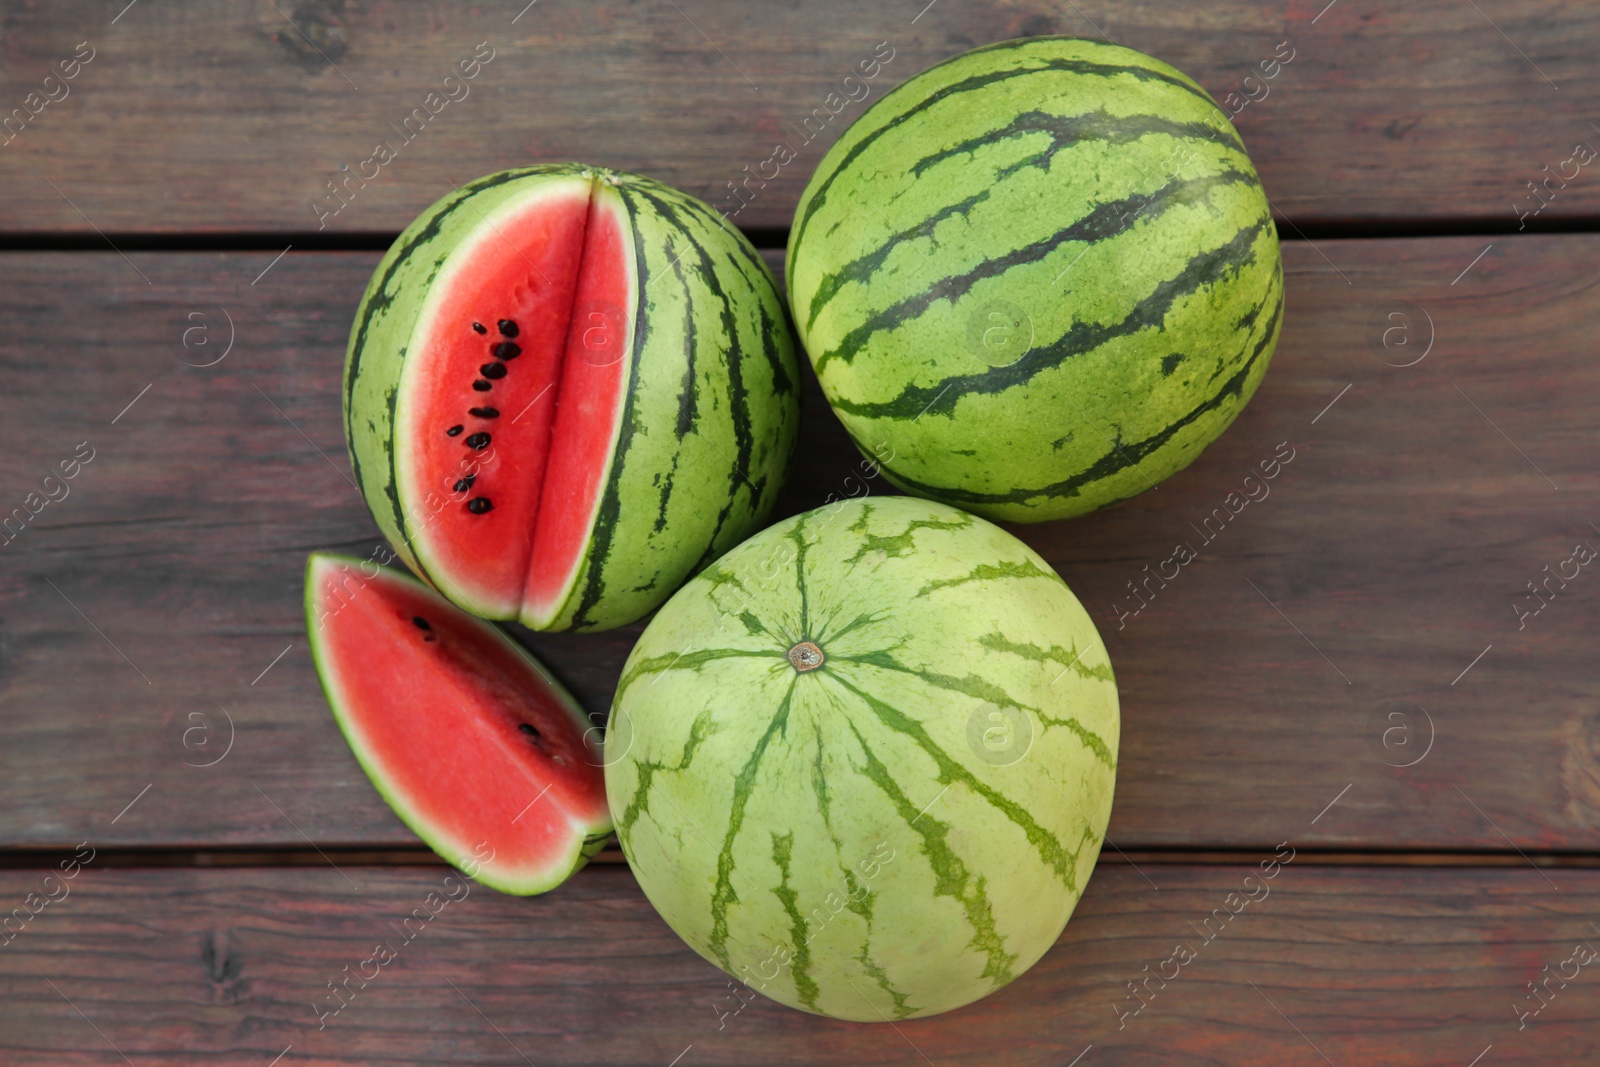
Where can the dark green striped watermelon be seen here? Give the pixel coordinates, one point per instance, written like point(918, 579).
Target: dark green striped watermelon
point(568, 389)
point(864, 762)
point(1038, 278)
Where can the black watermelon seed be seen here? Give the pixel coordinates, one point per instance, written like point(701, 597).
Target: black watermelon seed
point(484, 413)
point(466, 483)
point(528, 728)
point(421, 623)
point(482, 386)
point(507, 350)
point(478, 505)
point(493, 370)
point(452, 431)
point(507, 328)
point(478, 441)
point(479, 327)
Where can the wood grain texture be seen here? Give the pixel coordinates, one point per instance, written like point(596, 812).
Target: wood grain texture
point(225, 116)
point(1392, 966)
point(160, 600)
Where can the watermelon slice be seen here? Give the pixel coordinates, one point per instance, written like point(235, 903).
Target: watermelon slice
point(470, 740)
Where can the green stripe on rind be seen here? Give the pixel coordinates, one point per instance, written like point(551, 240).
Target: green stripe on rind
point(639, 803)
point(975, 70)
point(952, 876)
point(805, 985)
point(725, 895)
point(1115, 209)
point(1120, 458)
point(724, 431)
point(952, 772)
point(1104, 223)
point(1070, 659)
point(986, 691)
point(587, 839)
point(1208, 267)
point(1064, 131)
point(687, 660)
point(858, 898)
point(750, 792)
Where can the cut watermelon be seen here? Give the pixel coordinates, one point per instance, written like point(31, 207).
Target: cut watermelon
point(567, 390)
point(473, 744)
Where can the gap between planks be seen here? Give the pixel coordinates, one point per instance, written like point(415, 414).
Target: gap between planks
point(770, 238)
point(177, 857)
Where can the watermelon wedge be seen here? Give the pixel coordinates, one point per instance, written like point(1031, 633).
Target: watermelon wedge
point(568, 389)
point(473, 744)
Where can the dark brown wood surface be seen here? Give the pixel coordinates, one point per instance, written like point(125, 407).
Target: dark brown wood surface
point(1388, 661)
point(1357, 966)
point(146, 612)
point(219, 116)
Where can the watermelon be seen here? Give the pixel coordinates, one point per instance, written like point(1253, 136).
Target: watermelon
point(470, 740)
point(1038, 278)
point(864, 762)
point(567, 389)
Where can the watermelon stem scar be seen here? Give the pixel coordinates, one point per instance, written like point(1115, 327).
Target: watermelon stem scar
point(806, 656)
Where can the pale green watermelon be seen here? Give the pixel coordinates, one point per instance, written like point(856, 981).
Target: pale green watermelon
point(864, 762)
point(1038, 278)
point(567, 389)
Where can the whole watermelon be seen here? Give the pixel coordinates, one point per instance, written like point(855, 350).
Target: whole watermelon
point(567, 389)
point(864, 762)
point(1038, 278)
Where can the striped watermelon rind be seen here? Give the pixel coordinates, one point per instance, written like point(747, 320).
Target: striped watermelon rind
point(711, 391)
point(838, 838)
point(1086, 205)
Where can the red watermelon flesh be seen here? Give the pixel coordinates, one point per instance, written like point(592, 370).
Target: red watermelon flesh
point(463, 732)
point(507, 426)
point(586, 422)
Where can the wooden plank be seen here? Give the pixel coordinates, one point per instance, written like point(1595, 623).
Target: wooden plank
point(218, 116)
point(160, 600)
point(1395, 966)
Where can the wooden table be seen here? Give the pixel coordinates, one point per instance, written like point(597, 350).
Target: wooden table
point(1352, 669)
